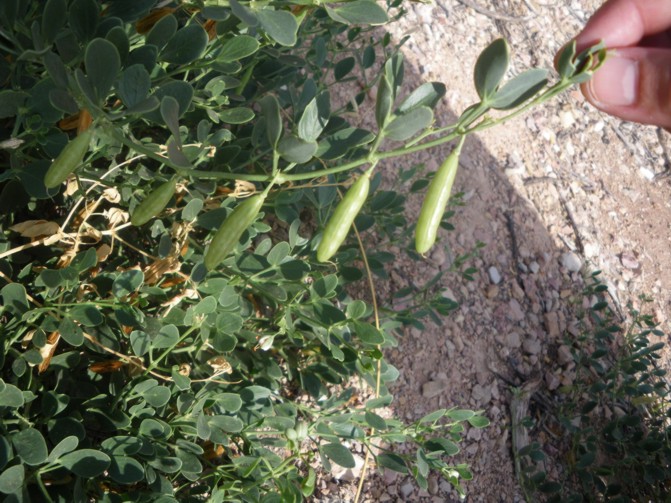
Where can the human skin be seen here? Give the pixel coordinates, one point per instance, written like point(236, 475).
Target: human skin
point(635, 81)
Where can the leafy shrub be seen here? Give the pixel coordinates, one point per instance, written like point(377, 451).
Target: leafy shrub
point(162, 341)
point(615, 416)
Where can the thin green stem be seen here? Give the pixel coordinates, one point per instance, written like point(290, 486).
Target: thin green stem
point(165, 353)
point(43, 488)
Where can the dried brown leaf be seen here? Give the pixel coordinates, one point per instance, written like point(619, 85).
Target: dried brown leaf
point(47, 351)
point(103, 251)
point(36, 229)
point(220, 364)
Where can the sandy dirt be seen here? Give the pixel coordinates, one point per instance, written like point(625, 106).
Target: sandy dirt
point(553, 195)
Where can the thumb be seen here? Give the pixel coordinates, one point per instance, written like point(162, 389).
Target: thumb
point(634, 83)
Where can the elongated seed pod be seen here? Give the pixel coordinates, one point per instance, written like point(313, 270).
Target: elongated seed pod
point(68, 160)
point(228, 235)
point(435, 202)
point(153, 204)
point(343, 217)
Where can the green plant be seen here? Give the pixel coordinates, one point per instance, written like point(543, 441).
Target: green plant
point(140, 363)
point(615, 415)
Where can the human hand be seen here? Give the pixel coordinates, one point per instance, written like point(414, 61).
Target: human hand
point(634, 83)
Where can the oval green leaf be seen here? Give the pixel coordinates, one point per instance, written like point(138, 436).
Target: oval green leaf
point(426, 95)
point(490, 68)
point(339, 454)
point(30, 446)
point(125, 470)
point(314, 118)
point(407, 125)
point(271, 112)
point(127, 282)
point(237, 48)
point(293, 149)
point(237, 115)
point(12, 479)
point(68, 444)
point(519, 89)
point(358, 12)
point(162, 32)
point(186, 46)
point(87, 463)
point(134, 85)
point(102, 66)
point(280, 25)
point(383, 102)
point(157, 396)
point(392, 461)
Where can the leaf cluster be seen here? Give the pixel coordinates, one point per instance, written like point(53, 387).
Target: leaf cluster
point(129, 370)
point(616, 413)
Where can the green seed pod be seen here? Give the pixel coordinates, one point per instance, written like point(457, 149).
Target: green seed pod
point(228, 235)
point(153, 204)
point(343, 217)
point(68, 160)
point(435, 202)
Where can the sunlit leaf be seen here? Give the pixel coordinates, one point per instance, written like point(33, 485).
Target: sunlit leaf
point(293, 149)
point(383, 102)
point(238, 47)
point(339, 454)
point(490, 68)
point(407, 125)
point(358, 12)
point(519, 89)
point(426, 95)
point(280, 25)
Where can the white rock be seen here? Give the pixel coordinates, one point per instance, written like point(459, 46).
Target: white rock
point(534, 267)
point(348, 474)
point(567, 119)
point(629, 261)
point(591, 250)
point(647, 173)
point(494, 275)
point(571, 262)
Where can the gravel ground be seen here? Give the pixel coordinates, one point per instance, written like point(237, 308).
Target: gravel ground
point(555, 194)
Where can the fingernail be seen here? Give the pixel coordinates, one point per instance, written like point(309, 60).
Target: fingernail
point(616, 82)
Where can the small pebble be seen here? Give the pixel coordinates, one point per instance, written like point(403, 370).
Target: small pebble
point(407, 489)
point(532, 346)
point(571, 262)
point(494, 275)
point(629, 261)
point(647, 173)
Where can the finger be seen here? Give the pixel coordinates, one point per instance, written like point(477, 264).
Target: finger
point(623, 23)
point(634, 84)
